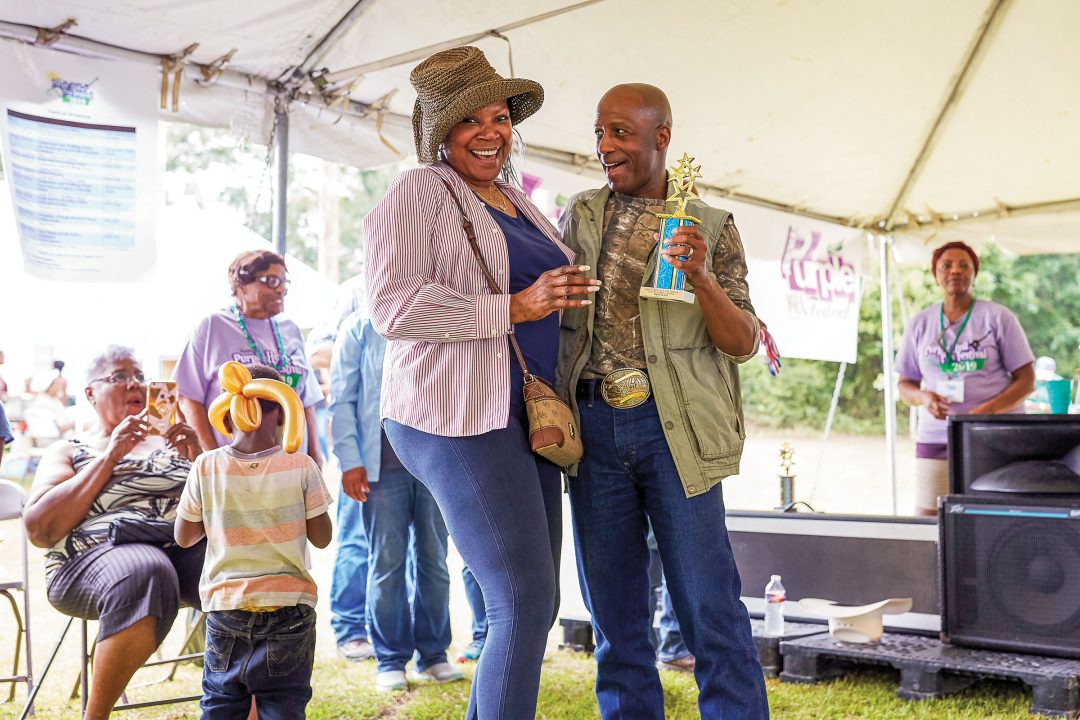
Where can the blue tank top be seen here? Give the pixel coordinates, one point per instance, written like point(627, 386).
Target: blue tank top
point(531, 253)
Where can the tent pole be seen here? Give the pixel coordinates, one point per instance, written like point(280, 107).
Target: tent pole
point(885, 244)
point(281, 184)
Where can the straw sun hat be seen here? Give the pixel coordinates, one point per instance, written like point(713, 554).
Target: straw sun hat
point(454, 83)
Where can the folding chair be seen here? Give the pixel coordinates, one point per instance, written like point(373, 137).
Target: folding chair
point(82, 684)
point(12, 500)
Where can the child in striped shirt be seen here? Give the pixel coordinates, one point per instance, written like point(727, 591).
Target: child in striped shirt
point(258, 507)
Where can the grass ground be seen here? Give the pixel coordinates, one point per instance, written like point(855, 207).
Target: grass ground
point(345, 691)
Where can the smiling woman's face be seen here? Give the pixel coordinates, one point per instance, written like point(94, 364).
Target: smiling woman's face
point(114, 401)
point(477, 147)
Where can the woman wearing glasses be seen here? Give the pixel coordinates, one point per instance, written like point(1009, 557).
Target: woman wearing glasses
point(85, 484)
point(249, 332)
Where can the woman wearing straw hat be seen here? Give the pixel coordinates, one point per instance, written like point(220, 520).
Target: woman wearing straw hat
point(958, 356)
point(452, 386)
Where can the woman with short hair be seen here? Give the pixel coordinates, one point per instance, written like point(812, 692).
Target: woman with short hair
point(249, 332)
point(959, 356)
point(86, 484)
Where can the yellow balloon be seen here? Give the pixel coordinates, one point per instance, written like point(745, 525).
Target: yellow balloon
point(246, 413)
point(240, 400)
point(217, 412)
point(293, 432)
point(233, 377)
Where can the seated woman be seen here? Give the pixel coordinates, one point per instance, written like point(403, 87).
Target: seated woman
point(81, 487)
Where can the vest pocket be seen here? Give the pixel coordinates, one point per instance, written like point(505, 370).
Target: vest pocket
point(710, 415)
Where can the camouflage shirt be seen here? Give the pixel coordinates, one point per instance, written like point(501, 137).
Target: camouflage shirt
point(630, 227)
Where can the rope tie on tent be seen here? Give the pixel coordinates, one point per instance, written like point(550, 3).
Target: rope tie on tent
point(509, 49)
point(211, 73)
point(1003, 209)
point(937, 221)
point(174, 65)
point(47, 36)
point(377, 110)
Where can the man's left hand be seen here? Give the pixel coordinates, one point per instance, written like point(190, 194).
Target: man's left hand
point(687, 242)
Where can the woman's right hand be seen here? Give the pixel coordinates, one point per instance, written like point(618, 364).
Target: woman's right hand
point(553, 290)
point(936, 405)
point(130, 432)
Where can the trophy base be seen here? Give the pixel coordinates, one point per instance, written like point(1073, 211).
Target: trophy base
point(656, 293)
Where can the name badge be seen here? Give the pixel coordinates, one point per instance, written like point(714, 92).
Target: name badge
point(951, 389)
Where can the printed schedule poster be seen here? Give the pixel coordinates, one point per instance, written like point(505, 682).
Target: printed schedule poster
point(80, 154)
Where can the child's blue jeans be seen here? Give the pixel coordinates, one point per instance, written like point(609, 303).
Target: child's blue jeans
point(267, 655)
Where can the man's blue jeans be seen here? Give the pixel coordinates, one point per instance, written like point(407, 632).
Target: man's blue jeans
point(626, 477)
point(348, 588)
point(672, 645)
point(400, 624)
point(267, 655)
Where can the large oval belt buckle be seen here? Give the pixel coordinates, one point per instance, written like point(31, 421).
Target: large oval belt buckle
point(625, 388)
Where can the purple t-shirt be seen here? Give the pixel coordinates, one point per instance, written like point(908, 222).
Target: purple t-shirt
point(991, 347)
point(218, 338)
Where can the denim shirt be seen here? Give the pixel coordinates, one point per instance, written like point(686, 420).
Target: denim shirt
point(355, 381)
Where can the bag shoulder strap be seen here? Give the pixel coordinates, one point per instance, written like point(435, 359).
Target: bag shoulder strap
point(470, 234)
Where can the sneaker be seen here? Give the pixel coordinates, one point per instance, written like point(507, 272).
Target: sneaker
point(438, 673)
point(391, 681)
point(683, 664)
point(356, 650)
point(472, 651)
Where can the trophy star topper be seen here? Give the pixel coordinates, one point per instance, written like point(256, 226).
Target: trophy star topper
point(668, 282)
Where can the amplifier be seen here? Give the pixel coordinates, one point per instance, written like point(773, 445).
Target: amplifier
point(1014, 454)
point(1010, 573)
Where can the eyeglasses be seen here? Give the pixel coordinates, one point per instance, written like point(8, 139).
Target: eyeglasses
point(120, 378)
point(274, 281)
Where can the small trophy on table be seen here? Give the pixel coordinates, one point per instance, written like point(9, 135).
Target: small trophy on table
point(667, 281)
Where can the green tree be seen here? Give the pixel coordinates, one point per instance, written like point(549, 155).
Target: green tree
point(1042, 290)
point(216, 166)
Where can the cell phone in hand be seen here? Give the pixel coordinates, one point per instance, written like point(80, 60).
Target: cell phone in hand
point(160, 405)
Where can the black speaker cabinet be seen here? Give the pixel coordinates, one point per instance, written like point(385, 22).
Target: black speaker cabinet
point(1014, 454)
point(1010, 573)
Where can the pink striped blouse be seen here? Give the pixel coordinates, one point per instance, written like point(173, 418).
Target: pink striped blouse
point(447, 365)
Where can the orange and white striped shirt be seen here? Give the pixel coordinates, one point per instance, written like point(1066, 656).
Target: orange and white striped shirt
point(447, 367)
point(255, 510)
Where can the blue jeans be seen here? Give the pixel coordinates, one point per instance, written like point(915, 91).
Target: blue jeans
point(267, 655)
point(626, 479)
point(322, 421)
point(401, 624)
point(348, 588)
point(475, 596)
point(672, 645)
point(503, 508)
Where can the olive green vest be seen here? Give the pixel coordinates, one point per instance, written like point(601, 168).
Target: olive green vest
point(696, 386)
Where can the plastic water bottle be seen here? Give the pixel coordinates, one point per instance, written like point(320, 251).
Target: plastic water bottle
point(775, 595)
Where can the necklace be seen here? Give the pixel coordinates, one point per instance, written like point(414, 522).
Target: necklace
point(242, 322)
point(500, 206)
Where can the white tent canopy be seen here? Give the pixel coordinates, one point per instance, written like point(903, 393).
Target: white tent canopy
point(907, 116)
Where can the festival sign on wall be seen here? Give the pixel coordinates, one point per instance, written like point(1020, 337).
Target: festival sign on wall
point(80, 146)
point(809, 296)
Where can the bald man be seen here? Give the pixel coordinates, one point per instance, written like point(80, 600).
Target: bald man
point(661, 460)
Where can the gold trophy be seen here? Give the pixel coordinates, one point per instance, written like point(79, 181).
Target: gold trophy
point(667, 281)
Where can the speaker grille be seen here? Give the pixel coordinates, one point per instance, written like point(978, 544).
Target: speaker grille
point(1011, 576)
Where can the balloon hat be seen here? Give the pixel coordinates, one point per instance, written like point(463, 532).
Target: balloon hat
point(240, 400)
